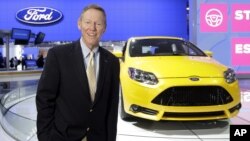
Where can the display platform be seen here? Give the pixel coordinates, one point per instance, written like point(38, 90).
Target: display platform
point(19, 121)
point(8, 76)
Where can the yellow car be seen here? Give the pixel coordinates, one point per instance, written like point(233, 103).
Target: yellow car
point(168, 78)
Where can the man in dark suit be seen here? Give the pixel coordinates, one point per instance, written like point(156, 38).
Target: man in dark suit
point(71, 105)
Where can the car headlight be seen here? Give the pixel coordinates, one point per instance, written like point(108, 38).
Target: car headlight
point(142, 76)
point(229, 75)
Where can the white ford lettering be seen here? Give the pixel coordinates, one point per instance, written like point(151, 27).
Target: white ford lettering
point(33, 14)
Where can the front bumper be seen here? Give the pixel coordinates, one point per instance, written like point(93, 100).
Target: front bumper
point(139, 100)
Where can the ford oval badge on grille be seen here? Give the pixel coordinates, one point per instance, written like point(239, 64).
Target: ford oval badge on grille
point(38, 15)
point(194, 78)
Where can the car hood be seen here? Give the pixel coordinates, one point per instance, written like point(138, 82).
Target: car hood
point(179, 66)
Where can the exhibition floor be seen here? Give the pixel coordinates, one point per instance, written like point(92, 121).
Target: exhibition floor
point(145, 130)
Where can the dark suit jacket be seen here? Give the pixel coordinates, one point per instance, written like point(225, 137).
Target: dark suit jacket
point(65, 110)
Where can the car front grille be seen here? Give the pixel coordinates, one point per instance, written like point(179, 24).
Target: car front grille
point(193, 96)
point(190, 115)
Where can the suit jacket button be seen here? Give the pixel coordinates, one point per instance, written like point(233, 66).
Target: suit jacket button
point(91, 110)
point(88, 129)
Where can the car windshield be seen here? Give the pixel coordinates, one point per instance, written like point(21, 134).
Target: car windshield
point(163, 47)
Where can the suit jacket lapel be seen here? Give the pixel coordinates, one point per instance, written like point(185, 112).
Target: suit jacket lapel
point(103, 65)
point(80, 69)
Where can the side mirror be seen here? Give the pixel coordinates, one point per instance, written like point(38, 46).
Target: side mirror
point(118, 54)
point(208, 53)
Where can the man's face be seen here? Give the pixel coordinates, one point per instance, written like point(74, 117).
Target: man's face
point(92, 25)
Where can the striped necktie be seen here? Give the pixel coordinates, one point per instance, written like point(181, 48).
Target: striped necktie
point(91, 75)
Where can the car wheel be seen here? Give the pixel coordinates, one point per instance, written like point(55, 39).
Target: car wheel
point(123, 114)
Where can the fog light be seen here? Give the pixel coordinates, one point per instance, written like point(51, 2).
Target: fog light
point(135, 108)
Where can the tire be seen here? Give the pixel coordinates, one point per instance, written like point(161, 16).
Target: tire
point(123, 114)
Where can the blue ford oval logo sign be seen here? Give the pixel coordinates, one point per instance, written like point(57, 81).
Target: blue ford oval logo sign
point(38, 15)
